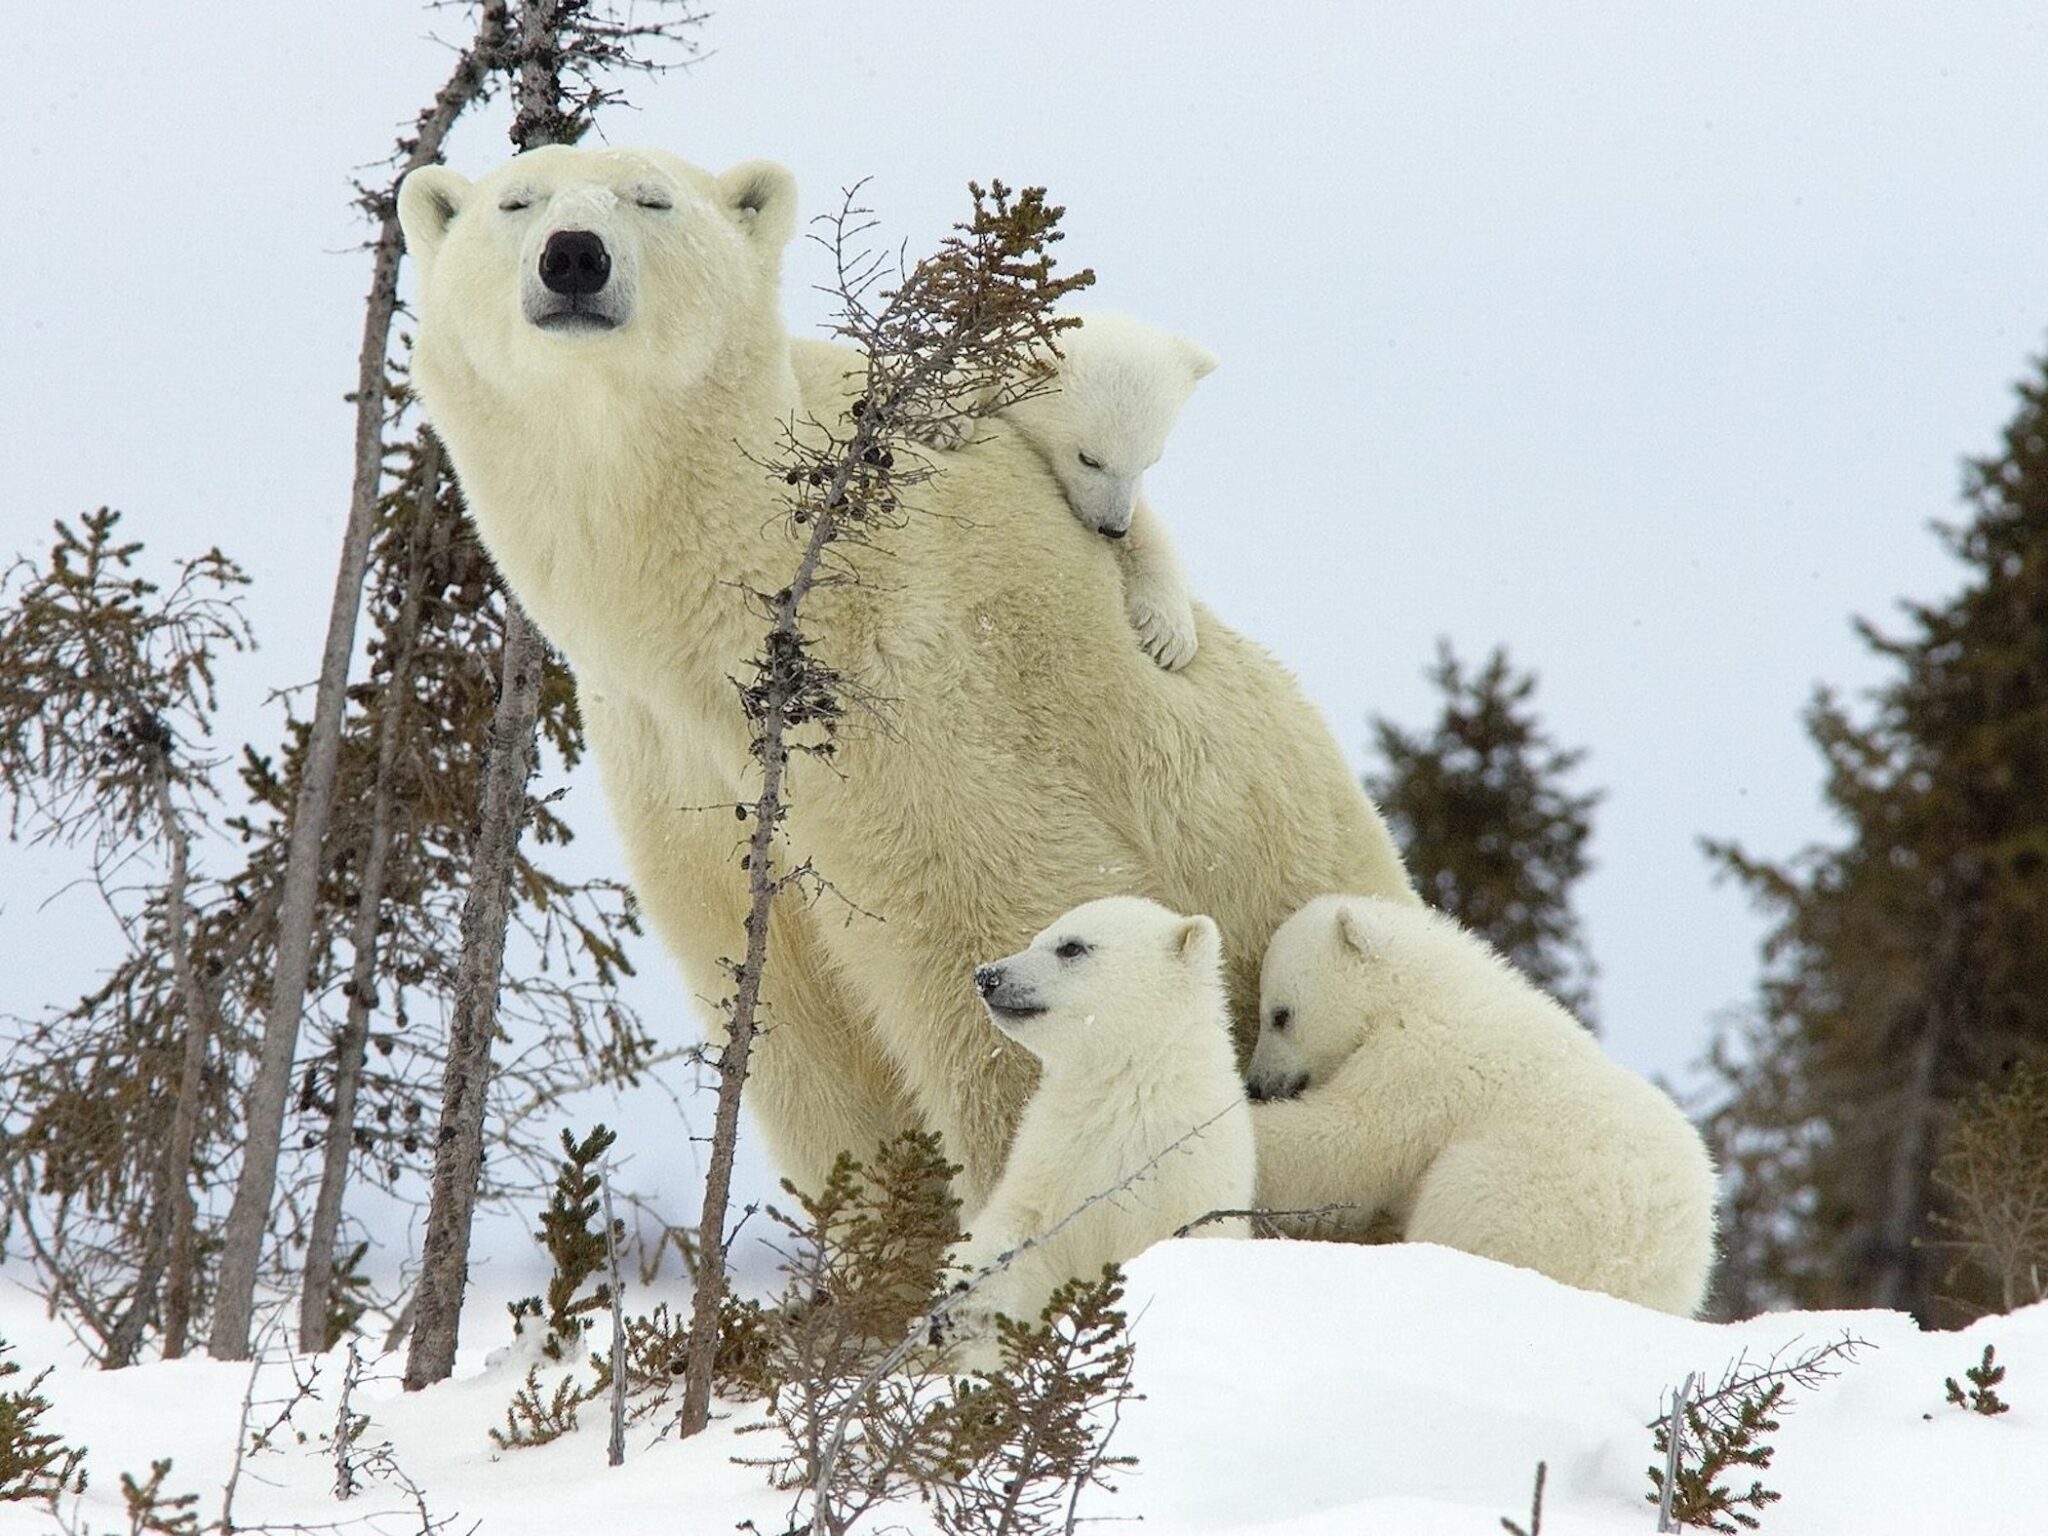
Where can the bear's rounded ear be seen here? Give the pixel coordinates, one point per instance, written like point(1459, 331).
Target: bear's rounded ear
point(1198, 938)
point(428, 200)
point(1351, 933)
point(1200, 361)
point(761, 197)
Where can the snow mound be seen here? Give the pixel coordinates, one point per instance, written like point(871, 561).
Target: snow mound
point(1291, 1389)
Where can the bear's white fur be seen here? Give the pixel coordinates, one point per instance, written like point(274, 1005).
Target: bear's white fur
point(1030, 757)
point(1099, 416)
point(1139, 1108)
point(1432, 1082)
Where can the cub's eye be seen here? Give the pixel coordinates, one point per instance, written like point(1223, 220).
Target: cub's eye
point(1071, 949)
point(1088, 463)
point(514, 203)
point(1282, 1017)
point(653, 200)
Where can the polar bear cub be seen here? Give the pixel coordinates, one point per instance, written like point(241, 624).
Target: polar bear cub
point(1139, 1102)
point(1100, 422)
point(1403, 1067)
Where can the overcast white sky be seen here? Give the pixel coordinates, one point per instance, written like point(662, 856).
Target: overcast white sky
point(1645, 339)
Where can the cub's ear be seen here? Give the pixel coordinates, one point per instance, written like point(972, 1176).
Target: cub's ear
point(1351, 934)
point(1200, 361)
point(428, 200)
point(1198, 939)
point(761, 198)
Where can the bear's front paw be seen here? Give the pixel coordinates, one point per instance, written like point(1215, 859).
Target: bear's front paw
point(967, 1327)
point(1165, 625)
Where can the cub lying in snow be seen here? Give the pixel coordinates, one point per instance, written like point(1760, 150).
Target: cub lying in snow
point(1403, 1067)
point(1139, 1103)
point(1099, 424)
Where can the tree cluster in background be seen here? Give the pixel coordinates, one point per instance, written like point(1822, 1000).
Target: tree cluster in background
point(322, 887)
point(1489, 826)
point(1875, 1113)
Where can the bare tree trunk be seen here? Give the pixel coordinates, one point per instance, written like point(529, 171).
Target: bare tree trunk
point(166, 1268)
point(317, 1284)
point(177, 1211)
point(458, 1147)
point(1900, 1279)
point(1906, 1200)
point(709, 1293)
point(786, 675)
point(249, 1217)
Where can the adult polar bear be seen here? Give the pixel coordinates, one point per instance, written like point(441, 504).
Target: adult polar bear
point(601, 347)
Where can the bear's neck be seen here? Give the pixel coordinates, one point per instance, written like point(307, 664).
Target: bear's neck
point(632, 523)
point(1193, 1049)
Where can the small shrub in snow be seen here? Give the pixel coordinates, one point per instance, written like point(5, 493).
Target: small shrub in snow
point(35, 1465)
point(153, 1512)
point(1727, 1430)
point(1024, 1442)
point(577, 1248)
point(869, 1414)
point(1994, 1175)
point(535, 1416)
point(1982, 1397)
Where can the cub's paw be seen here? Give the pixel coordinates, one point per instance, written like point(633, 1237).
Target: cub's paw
point(1165, 623)
point(966, 1329)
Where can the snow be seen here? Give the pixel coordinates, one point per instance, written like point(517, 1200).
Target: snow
point(1290, 1389)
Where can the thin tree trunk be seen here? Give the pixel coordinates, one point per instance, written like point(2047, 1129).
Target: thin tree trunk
point(1907, 1186)
point(167, 1260)
point(177, 1210)
point(1899, 1280)
point(771, 750)
point(316, 1291)
point(249, 1216)
point(458, 1146)
point(709, 1292)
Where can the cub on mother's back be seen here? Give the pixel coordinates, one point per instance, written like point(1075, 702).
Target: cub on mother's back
point(1404, 1068)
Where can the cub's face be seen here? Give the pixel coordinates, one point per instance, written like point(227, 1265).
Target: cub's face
point(1117, 390)
point(1102, 981)
point(1312, 1009)
point(614, 259)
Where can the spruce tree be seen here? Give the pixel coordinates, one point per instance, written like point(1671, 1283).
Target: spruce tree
point(1907, 965)
point(1490, 830)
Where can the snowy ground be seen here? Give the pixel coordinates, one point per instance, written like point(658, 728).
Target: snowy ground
point(1292, 1389)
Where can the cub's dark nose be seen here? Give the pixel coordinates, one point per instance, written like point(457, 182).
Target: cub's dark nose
point(987, 978)
point(574, 262)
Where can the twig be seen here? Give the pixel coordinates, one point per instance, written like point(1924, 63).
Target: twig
point(1264, 1220)
point(616, 1453)
point(1535, 1507)
point(1676, 1433)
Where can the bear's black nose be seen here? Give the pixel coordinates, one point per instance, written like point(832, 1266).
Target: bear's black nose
point(574, 262)
point(987, 978)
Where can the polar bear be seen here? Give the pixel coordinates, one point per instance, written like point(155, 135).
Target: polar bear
point(1139, 1109)
point(1403, 1066)
point(1099, 416)
point(600, 345)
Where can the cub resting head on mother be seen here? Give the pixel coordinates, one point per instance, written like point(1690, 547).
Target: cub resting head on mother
point(601, 348)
